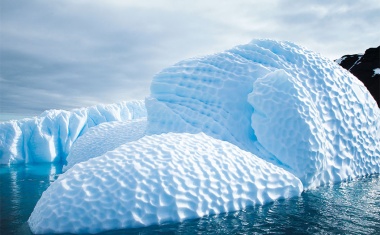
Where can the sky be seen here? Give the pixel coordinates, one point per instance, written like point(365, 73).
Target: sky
point(77, 53)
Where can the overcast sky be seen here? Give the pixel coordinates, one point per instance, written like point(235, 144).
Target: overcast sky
point(75, 53)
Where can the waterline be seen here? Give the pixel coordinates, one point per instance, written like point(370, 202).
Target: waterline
point(347, 208)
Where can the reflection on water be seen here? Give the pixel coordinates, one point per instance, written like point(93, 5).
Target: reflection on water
point(20, 188)
point(346, 208)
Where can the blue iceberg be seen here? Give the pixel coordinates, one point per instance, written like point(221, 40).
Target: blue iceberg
point(49, 137)
point(218, 133)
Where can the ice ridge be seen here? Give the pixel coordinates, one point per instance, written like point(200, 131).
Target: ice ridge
point(49, 137)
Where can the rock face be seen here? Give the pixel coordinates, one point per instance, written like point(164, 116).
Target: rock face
point(365, 67)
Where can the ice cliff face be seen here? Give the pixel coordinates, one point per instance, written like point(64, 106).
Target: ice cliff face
point(282, 102)
point(49, 137)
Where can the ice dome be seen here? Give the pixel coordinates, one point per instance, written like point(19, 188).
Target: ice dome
point(156, 179)
point(280, 101)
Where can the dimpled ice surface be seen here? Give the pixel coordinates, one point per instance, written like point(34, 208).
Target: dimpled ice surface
point(282, 102)
point(247, 126)
point(156, 179)
point(103, 138)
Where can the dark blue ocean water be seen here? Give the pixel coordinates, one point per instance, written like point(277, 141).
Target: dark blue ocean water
point(346, 208)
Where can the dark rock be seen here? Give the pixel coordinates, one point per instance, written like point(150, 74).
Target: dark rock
point(363, 67)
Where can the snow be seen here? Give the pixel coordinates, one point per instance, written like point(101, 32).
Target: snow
point(376, 71)
point(340, 60)
point(49, 137)
point(246, 126)
point(103, 138)
point(157, 179)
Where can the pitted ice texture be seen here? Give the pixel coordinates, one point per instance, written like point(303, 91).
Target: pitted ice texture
point(103, 138)
point(247, 126)
point(282, 102)
point(156, 179)
point(49, 137)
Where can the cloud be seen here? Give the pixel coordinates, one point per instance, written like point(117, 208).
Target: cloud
point(66, 54)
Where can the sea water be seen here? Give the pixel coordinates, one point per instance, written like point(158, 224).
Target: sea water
point(347, 208)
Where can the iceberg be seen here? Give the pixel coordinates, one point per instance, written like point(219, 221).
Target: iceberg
point(157, 179)
point(277, 100)
point(49, 137)
point(247, 126)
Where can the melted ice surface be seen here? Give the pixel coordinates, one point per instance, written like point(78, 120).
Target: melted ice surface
point(104, 137)
point(156, 179)
point(49, 137)
point(282, 102)
point(317, 126)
